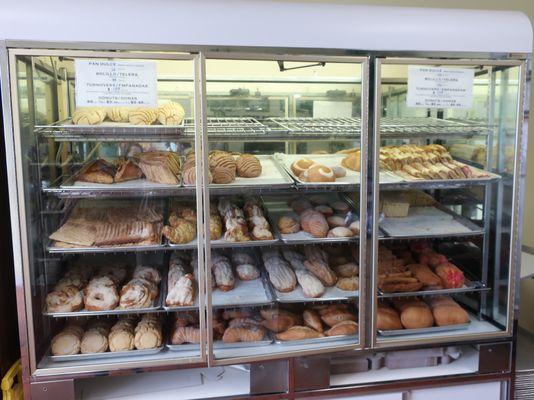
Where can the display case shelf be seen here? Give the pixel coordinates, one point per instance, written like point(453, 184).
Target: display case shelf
point(429, 127)
point(318, 126)
point(470, 286)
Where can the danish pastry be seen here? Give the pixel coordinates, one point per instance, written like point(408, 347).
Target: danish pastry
point(319, 173)
point(299, 166)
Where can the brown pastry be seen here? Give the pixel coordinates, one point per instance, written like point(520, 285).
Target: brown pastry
point(425, 275)
point(343, 328)
point(319, 173)
point(183, 292)
point(312, 287)
point(68, 298)
point(299, 166)
point(451, 276)
point(280, 274)
point(339, 206)
point(121, 339)
point(97, 171)
point(447, 312)
point(65, 343)
point(185, 334)
point(238, 313)
point(350, 284)
point(325, 210)
point(399, 282)
point(313, 320)
point(414, 313)
point(181, 231)
point(223, 274)
point(127, 170)
point(298, 333)
point(222, 166)
point(288, 224)
point(334, 317)
point(314, 223)
point(316, 262)
point(243, 333)
point(340, 231)
point(279, 320)
point(160, 166)
point(347, 270)
point(94, 341)
point(352, 161)
point(135, 294)
point(336, 220)
point(387, 318)
point(215, 226)
point(248, 166)
point(300, 205)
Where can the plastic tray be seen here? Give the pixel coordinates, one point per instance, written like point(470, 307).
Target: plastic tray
point(433, 329)
point(106, 355)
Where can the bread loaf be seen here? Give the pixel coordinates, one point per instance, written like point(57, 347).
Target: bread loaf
point(414, 313)
point(447, 312)
point(387, 318)
point(299, 333)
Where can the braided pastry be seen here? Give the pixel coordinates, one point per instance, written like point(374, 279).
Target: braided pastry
point(248, 166)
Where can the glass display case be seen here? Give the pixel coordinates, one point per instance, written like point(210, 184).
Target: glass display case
point(266, 206)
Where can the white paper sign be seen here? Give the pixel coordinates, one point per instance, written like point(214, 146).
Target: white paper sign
point(116, 83)
point(432, 87)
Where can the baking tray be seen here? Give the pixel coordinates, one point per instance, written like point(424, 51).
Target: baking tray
point(183, 347)
point(219, 344)
point(106, 355)
point(408, 178)
point(245, 293)
point(331, 294)
point(104, 249)
point(273, 176)
point(321, 340)
point(351, 179)
point(156, 305)
point(469, 286)
point(429, 221)
point(433, 329)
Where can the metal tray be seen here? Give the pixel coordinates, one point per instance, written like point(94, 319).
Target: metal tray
point(352, 178)
point(156, 306)
point(350, 127)
point(470, 286)
point(331, 294)
point(229, 126)
point(431, 221)
point(219, 344)
point(321, 340)
point(106, 355)
point(183, 347)
point(433, 329)
point(245, 293)
point(107, 249)
point(273, 176)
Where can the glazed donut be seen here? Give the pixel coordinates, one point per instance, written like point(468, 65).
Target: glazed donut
point(320, 173)
point(98, 297)
point(299, 166)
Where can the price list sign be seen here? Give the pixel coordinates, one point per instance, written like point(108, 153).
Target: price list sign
point(433, 87)
point(116, 83)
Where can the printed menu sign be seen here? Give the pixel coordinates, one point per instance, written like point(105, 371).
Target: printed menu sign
point(116, 83)
point(436, 87)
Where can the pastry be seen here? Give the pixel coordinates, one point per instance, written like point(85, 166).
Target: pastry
point(343, 328)
point(222, 166)
point(346, 270)
point(118, 114)
point(142, 116)
point(148, 333)
point(97, 171)
point(316, 262)
point(100, 295)
point(127, 170)
point(288, 224)
point(135, 294)
point(339, 172)
point(339, 206)
point(94, 341)
point(88, 116)
point(278, 320)
point(238, 313)
point(121, 340)
point(395, 205)
point(65, 343)
point(182, 293)
point(334, 317)
point(319, 173)
point(335, 220)
point(399, 282)
point(355, 227)
point(351, 284)
point(387, 318)
point(248, 166)
point(314, 223)
point(259, 228)
point(299, 333)
point(186, 334)
point(243, 333)
point(281, 275)
point(312, 286)
point(447, 312)
point(224, 277)
point(340, 231)
point(451, 276)
point(150, 274)
point(313, 320)
point(160, 166)
point(183, 231)
point(352, 161)
point(170, 113)
point(300, 204)
point(425, 275)
point(247, 272)
point(414, 313)
point(299, 166)
point(324, 209)
point(67, 299)
point(215, 227)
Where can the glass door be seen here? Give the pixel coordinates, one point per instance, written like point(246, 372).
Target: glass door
point(283, 158)
point(112, 240)
point(447, 136)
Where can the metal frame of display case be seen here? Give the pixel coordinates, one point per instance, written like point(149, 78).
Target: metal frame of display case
point(8, 50)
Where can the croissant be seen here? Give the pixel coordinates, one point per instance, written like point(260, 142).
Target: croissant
point(299, 333)
point(185, 334)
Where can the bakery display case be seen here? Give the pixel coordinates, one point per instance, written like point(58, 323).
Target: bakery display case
point(196, 206)
point(443, 257)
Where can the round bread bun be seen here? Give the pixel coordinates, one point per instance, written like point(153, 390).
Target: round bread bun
point(288, 224)
point(387, 319)
point(299, 166)
point(340, 231)
point(320, 173)
point(339, 172)
point(335, 220)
